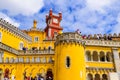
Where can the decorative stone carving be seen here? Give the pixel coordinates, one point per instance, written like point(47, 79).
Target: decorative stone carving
point(69, 37)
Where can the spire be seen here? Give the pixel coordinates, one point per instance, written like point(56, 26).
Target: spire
point(34, 24)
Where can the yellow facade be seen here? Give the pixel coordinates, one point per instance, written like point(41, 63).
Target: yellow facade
point(30, 55)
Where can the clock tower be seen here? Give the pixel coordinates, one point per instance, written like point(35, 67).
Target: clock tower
point(53, 24)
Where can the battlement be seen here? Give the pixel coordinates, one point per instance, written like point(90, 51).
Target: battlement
point(103, 36)
point(13, 29)
point(69, 37)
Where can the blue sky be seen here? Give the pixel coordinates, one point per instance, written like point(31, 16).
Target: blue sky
point(89, 16)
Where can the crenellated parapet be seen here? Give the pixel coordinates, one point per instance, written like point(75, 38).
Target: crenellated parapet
point(104, 36)
point(14, 29)
point(69, 37)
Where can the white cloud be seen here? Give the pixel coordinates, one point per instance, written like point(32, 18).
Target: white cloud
point(98, 4)
point(24, 7)
point(116, 28)
point(8, 19)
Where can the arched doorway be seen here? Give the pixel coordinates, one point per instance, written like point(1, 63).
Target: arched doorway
point(1, 74)
point(6, 75)
point(49, 75)
point(97, 77)
point(89, 77)
point(104, 77)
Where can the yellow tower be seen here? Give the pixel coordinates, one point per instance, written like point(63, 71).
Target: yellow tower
point(69, 54)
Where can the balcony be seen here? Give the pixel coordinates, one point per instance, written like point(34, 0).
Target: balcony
point(28, 60)
point(32, 52)
point(8, 48)
point(100, 64)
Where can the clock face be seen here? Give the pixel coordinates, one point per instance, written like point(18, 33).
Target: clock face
point(55, 20)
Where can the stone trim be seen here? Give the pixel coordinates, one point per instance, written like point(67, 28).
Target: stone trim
point(8, 48)
point(14, 29)
point(102, 43)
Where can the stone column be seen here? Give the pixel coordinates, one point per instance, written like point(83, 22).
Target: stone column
point(99, 57)
point(105, 57)
point(91, 57)
point(116, 59)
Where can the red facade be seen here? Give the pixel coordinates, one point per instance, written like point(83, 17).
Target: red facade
point(53, 24)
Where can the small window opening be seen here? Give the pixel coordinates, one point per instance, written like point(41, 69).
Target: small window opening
point(68, 62)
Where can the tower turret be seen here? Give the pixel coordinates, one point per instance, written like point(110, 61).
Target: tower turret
point(34, 27)
point(70, 61)
point(53, 24)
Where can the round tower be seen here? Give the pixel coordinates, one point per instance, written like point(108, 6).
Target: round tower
point(70, 59)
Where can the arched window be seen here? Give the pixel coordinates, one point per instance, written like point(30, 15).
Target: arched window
point(36, 39)
point(104, 77)
point(12, 60)
point(0, 36)
point(21, 59)
point(88, 56)
point(49, 48)
point(97, 77)
point(67, 61)
point(95, 56)
point(7, 60)
point(102, 56)
point(89, 77)
point(37, 59)
point(27, 59)
point(109, 56)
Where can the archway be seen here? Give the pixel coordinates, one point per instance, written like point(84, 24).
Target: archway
point(49, 75)
point(1, 71)
point(88, 56)
point(95, 56)
point(104, 77)
point(97, 77)
point(109, 57)
point(6, 75)
point(41, 74)
point(102, 56)
point(89, 77)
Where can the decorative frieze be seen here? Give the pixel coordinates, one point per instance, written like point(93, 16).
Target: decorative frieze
point(102, 43)
point(14, 29)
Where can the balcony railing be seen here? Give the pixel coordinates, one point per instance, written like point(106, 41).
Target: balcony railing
point(27, 52)
point(8, 48)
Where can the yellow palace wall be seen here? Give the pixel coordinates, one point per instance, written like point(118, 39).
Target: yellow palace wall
point(11, 39)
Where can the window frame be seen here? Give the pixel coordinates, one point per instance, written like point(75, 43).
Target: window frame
point(35, 39)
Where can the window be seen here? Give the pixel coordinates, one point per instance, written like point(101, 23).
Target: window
point(67, 62)
point(27, 59)
point(36, 39)
point(0, 36)
point(21, 45)
point(21, 59)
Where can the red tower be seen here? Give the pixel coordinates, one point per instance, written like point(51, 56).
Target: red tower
point(53, 24)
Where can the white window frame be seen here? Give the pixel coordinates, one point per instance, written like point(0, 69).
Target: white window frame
point(35, 39)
